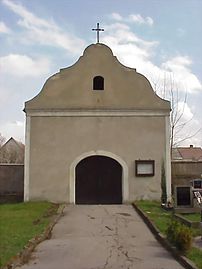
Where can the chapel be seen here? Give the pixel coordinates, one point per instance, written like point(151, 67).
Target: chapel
point(97, 133)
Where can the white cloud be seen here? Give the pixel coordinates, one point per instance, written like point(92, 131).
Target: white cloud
point(5, 95)
point(130, 49)
point(137, 18)
point(135, 52)
point(121, 35)
point(43, 31)
point(27, 16)
point(23, 65)
point(180, 67)
point(188, 130)
point(15, 129)
point(178, 63)
point(3, 28)
point(116, 16)
point(133, 18)
point(185, 111)
point(138, 53)
point(181, 32)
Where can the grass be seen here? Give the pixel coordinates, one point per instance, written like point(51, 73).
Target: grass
point(195, 255)
point(192, 216)
point(21, 222)
point(161, 219)
point(159, 216)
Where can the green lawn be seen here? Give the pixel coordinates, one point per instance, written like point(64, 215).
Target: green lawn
point(21, 222)
point(192, 216)
point(195, 255)
point(161, 218)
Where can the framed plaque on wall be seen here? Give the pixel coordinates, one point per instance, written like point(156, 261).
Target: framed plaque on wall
point(144, 168)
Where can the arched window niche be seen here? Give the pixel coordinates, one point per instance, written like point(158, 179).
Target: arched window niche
point(98, 83)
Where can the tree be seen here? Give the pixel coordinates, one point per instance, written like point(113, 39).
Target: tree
point(11, 151)
point(169, 89)
point(163, 184)
point(2, 140)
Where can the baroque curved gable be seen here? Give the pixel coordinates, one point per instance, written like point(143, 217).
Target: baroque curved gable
point(72, 87)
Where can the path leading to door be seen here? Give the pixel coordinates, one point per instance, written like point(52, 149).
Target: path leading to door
point(101, 237)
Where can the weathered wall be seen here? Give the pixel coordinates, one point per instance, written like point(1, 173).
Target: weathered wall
point(183, 172)
point(71, 88)
point(11, 182)
point(62, 139)
point(68, 119)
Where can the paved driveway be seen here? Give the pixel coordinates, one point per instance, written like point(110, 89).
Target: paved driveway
point(101, 237)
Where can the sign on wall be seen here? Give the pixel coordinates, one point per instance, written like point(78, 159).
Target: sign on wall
point(144, 168)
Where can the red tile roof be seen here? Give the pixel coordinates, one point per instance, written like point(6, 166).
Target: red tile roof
point(187, 153)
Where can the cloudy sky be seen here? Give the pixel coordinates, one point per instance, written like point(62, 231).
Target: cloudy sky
point(161, 39)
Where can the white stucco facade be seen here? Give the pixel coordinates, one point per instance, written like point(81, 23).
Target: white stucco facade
point(69, 121)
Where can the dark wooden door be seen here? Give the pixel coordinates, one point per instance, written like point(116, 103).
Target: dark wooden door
point(98, 181)
point(183, 196)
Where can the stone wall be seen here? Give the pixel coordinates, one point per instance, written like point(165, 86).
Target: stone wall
point(183, 172)
point(11, 182)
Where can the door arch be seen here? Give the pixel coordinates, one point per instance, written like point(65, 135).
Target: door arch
point(72, 173)
point(98, 181)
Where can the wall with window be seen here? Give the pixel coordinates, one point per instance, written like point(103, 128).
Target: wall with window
point(185, 171)
point(95, 105)
point(184, 175)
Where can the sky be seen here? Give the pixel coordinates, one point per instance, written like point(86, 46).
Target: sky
point(161, 39)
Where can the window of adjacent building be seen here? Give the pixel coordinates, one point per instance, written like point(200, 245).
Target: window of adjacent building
point(197, 184)
point(144, 168)
point(98, 83)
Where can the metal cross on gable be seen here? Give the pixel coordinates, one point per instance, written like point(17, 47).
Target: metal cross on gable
point(98, 29)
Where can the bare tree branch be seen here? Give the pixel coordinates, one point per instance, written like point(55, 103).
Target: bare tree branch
point(168, 89)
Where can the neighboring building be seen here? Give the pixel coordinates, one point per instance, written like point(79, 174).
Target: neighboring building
point(190, 153)
point(12, 152)
point(186, 174)
point(97, 134)
point(11, 182)
point(11, 171)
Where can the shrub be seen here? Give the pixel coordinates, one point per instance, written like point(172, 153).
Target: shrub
point(179, 235)
point(163, 184)
point(171, 231)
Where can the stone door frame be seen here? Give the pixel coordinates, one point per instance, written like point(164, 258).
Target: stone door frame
point(72, 178)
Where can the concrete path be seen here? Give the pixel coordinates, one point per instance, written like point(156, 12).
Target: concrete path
point(101, 237)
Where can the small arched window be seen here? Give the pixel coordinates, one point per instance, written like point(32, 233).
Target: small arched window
point(98, 83)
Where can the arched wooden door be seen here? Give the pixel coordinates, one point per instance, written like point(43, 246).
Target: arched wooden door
point(98, 181)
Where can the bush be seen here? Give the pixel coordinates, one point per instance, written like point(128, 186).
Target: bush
point(180, 236)
point(171, 231)
point(163, 184)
